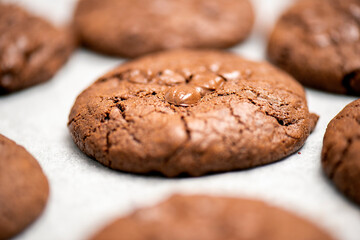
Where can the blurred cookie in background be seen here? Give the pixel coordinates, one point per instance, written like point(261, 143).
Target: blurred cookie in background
point(24, 188)
point(341, 151)
point(318, 42)
point(130, 28)
point(31, 49)
point(212, 218)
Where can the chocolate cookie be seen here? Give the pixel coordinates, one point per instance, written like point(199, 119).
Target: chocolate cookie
point(24, 188)
point(191, 111)
point(341, 151)
point(131, 28)
point(211, 218)
point(31, 49)
point(318, 42)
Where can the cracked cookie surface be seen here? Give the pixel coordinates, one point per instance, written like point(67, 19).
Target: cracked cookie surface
point(193, 112)
point(131, 28)
point(212, 218)
point(341, 151)
point(31, 49)
point(24, 188)
point(318, 42)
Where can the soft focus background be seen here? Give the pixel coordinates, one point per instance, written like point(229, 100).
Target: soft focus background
point(85, 195)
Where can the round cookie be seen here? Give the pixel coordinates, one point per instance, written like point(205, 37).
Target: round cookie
point(211, 218)
point(31, 49)
point(341, 151)
point(193, 112)
point(131, 28)
point(318, 42)
point(24, 188)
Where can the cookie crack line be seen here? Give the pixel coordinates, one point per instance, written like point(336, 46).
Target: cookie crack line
point(187, 130)
point(237, 117)
point(278, 120)
point(182, 146)
point(128, 122)
point(108, 119)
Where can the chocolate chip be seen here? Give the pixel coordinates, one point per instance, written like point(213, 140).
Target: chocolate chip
point(182, 95)
point(207, 80)
point(135, 76)
point(231, 75)
point(169, 77)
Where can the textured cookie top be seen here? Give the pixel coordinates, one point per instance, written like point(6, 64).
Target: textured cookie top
point(319, 43)
point(24, 188)
point(211, 218)
point(132, 28)
point(191, 111)
point(31, 49)
point(341, 150)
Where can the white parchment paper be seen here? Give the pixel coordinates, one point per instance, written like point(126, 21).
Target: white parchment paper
point(85, 195)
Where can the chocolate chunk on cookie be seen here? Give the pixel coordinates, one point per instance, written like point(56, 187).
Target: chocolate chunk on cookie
point(131, 28)
point(318, 42)
point(211, 218)
point(31, 49)
point(193, 112)
point(24, 188)
point(341, 151)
